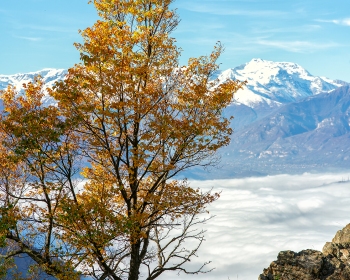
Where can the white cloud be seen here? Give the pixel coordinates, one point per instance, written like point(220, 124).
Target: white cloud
point(49, 28)
point(288, 29)
point(255, 218)
point(345, 21)
point(197, 27)
point(215, 9)
point(32, 39)
point(297, 46)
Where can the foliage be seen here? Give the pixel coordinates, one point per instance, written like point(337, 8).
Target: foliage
point(128, 119)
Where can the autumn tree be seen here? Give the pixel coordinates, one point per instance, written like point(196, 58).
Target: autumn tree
point(129, 119)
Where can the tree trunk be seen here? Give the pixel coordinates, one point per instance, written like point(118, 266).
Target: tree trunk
point(135, 261)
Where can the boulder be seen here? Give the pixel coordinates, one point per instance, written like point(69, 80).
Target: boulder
point(342, 236)
point(333, 263)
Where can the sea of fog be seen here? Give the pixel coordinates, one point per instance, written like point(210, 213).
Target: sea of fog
point(255, 218)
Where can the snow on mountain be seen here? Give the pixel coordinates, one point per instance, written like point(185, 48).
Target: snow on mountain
point(271, 84)
point(49, 75)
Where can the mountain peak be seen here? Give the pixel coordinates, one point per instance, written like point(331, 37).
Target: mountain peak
point(258, 64)
point(257, 60)
point(271, 84)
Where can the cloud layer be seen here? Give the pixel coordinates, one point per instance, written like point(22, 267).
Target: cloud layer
point(255, 218)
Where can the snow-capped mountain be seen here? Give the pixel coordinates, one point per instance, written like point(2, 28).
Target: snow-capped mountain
point(49, 75)
point(272, 84)
point(285, 120)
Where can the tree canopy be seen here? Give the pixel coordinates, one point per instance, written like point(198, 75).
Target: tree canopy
point(89, 184)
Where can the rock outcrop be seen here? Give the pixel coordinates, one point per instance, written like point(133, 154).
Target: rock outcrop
point(333, 263)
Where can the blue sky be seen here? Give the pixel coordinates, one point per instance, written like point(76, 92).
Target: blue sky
point(38, 34)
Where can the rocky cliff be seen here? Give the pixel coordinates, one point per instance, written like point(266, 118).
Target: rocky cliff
point(333, 263)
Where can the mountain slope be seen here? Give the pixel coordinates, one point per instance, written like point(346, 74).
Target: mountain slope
point(311, 134)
